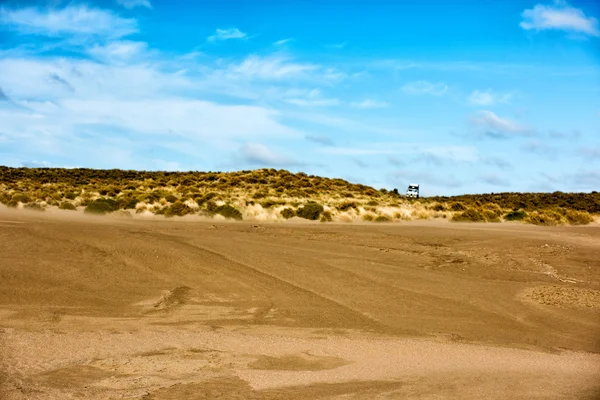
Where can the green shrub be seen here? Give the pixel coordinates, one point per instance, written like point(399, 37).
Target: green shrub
point(207, 197)
point(229, 212)
point(127, 203)
point(12, 204)
point(65, 205)
point(171, 198)
point(288, 213)
point(211, 206)
point(382, 218)
point(177, 209)
point(578, 217)
point(311, 210)
point(490, 216)
point(270, 203)
point(34, 206)
point(346, 206)
point(439, 207)
point(548, 218)
point(469, 215)
point(368, 217)
point(373, 203)
point(457, 207)
point(71, 195)
point(515, 215)
point(101, 206)
point(326, 216)
point(21, 197)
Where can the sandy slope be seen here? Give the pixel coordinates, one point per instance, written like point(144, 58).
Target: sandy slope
point(102, 308)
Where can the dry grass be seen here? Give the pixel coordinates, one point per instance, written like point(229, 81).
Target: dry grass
point(273, 195)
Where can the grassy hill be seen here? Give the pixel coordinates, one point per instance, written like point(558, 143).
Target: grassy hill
point(269, 194)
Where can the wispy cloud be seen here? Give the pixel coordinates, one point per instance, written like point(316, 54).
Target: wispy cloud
point(337, 46)
point(271, 67)
point(283, 42)
point(425, 87)
point(259, 154)
point(559, 16)
point(129, 4)
point(322, 140)
point(73, 19)
point(227, 34)
point(369, 104)
point(360, 163)
point(497, 162)
point(3, 96)
point(495, 180)
point(493, 126)
point(120, 50)
point(61, 81)
point(313, 98)
point(487, 98)
point(591, 153)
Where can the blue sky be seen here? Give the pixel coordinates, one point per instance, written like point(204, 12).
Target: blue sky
point(461, 97)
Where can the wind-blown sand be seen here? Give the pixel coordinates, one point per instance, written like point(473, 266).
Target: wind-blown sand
point(105, 308)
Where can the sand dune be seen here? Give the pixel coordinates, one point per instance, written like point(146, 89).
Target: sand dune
point(103, 307)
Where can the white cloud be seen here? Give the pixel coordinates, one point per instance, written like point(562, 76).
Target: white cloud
point(451, 153)
point(494, 126)
point(227, 34)
point(560, 16)
point(337, 46)
point(282, 41)
point(70, 20)
point(313, 98)
point(369, 104)
point(259, 154)
point(272, 67)
point(122, 50)
point(424, 87)
point(487, 98)
point(129, 4)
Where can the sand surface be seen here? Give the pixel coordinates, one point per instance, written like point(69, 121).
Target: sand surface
point(117, 308)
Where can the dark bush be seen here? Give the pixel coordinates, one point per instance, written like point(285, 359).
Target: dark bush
point(177, 209)
point(127, 203)
point(578, 217)
point(34, 206)
point(490, 216)
point(326, 216)
point(207, 197)
point(101, 206)
point(21, 197)
point(469, 215)
point(229, 212)
point(439, 207)
point(65, 205)
point(382, 218)
point(516, 215)
point(71, 195)
point(458, 207)
point(346, 206)
point(311, 210)
point(288, 213)
point(211, 206)
point(544, 218)
point(171, 198)
point(12, 204)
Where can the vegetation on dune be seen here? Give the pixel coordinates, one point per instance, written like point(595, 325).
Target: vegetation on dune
point(101, 206)
point(274, 194)
point(310, 210)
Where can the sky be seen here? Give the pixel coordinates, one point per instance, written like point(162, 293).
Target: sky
point(462, 96)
